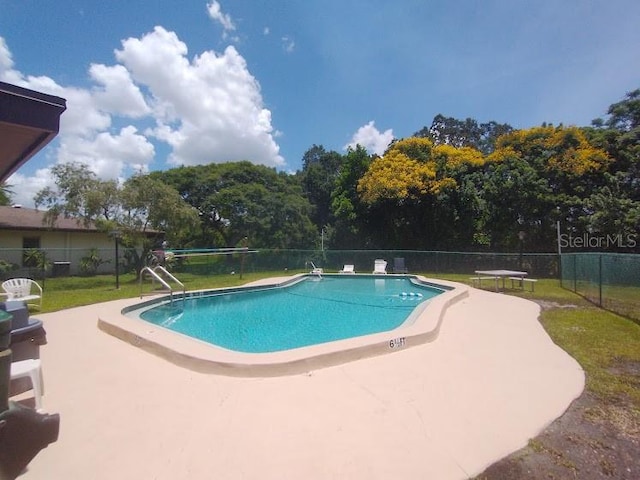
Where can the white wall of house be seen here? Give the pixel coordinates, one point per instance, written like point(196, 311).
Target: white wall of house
point(59, 246)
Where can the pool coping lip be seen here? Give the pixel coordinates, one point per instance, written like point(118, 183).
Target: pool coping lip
point(204, 357)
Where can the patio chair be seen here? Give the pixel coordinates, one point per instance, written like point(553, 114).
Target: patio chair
point(23, 289)
point(32, 369)
point(399, 265)
point(380, 266)
point(348, 268)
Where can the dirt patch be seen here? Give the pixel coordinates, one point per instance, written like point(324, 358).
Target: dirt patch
point(594, 439)
point(546, 304)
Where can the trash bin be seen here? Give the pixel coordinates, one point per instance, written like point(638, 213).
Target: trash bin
point(61, 269)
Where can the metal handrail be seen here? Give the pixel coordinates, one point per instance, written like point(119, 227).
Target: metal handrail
point(155, 276)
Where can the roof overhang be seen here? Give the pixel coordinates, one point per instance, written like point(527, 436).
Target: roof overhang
point(29, 120)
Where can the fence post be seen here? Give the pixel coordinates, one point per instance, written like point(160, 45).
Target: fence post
point(600, 280)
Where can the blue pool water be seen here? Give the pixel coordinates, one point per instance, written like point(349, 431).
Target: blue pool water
point(314, 310)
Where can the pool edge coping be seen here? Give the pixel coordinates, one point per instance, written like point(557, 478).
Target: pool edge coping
point(203, 357)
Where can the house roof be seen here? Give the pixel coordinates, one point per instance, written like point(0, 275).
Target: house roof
point(28, 121)
point(20, 218)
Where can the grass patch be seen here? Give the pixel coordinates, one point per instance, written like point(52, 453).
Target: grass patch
point(600, 341)
point(68, 292)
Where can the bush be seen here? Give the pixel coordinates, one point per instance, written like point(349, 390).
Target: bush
point(90, 263)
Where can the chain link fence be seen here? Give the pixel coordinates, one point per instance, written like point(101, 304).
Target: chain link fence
point(542, 265)
point(610, 280)
point(63, 262)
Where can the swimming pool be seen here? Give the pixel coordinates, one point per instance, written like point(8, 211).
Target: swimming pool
point(309, 311)
point(121, 319)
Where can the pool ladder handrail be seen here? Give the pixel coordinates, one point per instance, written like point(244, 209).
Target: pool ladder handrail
point(315, 270)
point(155, 276)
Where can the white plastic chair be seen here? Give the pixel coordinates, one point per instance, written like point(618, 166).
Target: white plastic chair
point(21, 289)
point(31, 368)
point(348, 269)
point(380, 266)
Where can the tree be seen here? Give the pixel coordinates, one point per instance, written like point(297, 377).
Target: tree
point(142, 210)
point(320, 169)
point(563, 155)
point(464, 133)
point(5, 194)
point(625, 115)
point(516, 198)
point(148, 204)
point(240, 199)
point(418, 194)
point(608, 211)
point(619, 135)
point(350, 228)
point(79, 194)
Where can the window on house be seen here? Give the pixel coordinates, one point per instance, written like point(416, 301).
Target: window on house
point(29, 244)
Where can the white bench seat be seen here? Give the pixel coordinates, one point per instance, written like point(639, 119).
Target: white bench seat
point(522, 281)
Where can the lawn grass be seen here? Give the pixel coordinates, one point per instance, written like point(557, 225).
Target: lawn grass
point(601, 341)
point(604, 344)
point(68, 292)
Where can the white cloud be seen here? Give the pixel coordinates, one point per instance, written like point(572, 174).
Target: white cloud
point(118, 95)
point(369, 137)
point(209, 109)
point(107, 155)
point(288, 44)
point(224, 19)
point(24, 188)
point(6, 60)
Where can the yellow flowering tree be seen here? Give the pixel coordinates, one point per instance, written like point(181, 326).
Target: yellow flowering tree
point(560, 150)
point(417, 190)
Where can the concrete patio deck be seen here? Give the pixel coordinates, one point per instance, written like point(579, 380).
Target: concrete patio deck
point(490, 381)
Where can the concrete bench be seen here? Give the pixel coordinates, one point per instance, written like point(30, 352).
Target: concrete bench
point(522, 281)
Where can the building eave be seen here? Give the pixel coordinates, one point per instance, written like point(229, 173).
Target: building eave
point(29, 120)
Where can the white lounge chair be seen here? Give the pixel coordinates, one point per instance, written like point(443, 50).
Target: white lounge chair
point(348, 269)
point(380, 266)
point(23, 289)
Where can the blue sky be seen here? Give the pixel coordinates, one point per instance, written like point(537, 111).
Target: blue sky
point(153, 85)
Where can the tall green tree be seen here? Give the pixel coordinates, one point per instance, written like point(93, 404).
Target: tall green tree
point(464, 133)
point(240, 199)
point(79, 194)
point(619, 135)
point(350, 229)
point(536, 177)
point(419, 197)
point(142, 210)
point(320, 170)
